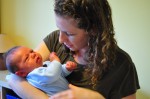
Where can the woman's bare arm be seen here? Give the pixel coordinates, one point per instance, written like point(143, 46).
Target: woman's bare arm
point(77, 93)
point(133, 96)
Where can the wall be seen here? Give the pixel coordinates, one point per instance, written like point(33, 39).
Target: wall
point(0, 16)
point(28, 21)
point(132, 26)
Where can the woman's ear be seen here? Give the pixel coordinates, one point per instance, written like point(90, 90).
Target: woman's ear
point(20, 73)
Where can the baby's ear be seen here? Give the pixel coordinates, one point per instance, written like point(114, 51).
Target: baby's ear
point(20, 73)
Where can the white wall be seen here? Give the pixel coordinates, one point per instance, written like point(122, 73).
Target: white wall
point(132, 26)
point(28, 21)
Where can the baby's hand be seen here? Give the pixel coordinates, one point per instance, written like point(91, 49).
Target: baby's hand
point(70, 66)
point(53, 56)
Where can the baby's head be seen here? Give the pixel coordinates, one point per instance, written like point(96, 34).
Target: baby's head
point(22, 60)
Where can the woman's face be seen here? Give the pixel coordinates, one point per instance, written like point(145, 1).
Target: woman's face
point(71, 36)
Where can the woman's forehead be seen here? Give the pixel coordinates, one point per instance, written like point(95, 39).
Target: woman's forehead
point(65, 21)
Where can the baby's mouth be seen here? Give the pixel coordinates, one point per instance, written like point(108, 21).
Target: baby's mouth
point(38, 60)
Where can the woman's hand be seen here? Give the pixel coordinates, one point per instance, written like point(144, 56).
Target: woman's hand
point(77, 93)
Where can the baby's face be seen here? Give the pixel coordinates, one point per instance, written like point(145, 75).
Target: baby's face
point(28, 59)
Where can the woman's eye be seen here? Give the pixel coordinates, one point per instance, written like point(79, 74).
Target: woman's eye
point(69, 34)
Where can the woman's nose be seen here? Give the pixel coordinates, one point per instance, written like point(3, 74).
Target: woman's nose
point(62, 37)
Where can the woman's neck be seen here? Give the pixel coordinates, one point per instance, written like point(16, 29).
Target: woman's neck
point(79, 57)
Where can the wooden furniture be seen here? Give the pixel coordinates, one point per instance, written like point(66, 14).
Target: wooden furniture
point(2, 64)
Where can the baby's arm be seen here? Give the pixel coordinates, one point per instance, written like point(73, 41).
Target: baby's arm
point(68, 68)
point(53, 56)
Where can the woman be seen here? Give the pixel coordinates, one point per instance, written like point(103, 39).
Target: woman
point(87, 34)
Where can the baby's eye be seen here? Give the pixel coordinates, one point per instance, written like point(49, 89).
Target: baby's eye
point(31, 51)
point(26, 58)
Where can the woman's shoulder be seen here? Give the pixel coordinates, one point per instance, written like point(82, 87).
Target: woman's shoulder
point(123, 55)
point(123, 60)
point(55, 32)
point(53, 44)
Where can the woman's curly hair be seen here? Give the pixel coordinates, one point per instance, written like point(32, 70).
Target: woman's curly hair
point(95, 17)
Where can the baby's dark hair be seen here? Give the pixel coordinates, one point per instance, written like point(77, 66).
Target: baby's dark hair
point(10, 64)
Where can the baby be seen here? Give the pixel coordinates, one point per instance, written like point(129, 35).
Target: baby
point(48, 76)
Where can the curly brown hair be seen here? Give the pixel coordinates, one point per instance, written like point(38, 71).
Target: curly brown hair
point(95, 17)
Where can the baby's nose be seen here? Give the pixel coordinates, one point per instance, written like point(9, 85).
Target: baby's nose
point(33, 55)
